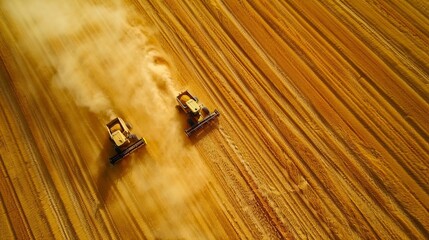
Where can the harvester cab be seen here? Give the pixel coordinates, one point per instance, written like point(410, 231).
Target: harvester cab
point(123, 140)
point(198, 114)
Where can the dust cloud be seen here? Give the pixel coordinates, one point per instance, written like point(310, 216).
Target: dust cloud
point(108, 59)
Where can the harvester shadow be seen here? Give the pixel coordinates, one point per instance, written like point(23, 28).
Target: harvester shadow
point(108, 174)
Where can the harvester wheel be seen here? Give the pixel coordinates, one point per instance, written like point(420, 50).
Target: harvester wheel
point(133, 137)
point(118, 150)
point(191, 122)
point(206, 111)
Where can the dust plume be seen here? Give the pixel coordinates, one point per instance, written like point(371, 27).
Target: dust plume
point(107, 57)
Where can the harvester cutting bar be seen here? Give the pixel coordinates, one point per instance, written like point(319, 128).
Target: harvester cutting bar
point(206, 120)
point(126, 152)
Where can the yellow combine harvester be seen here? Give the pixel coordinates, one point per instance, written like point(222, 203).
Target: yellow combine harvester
point(198, 114)
point(123, 140)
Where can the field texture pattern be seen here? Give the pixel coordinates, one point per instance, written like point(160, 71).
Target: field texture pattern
point(323, 132)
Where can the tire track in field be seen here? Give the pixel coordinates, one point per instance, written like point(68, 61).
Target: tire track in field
point(183, 26)
point(360, 110)
point(269, 104)
point(323, 132)
point(75, 57)
point(232, 108)
point(27, 177)
point(208, 43)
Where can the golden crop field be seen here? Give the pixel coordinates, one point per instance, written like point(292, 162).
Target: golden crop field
point(323, 130)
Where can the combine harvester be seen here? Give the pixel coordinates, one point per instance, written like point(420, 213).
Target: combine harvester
point(198, 114)
point(123, 140)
